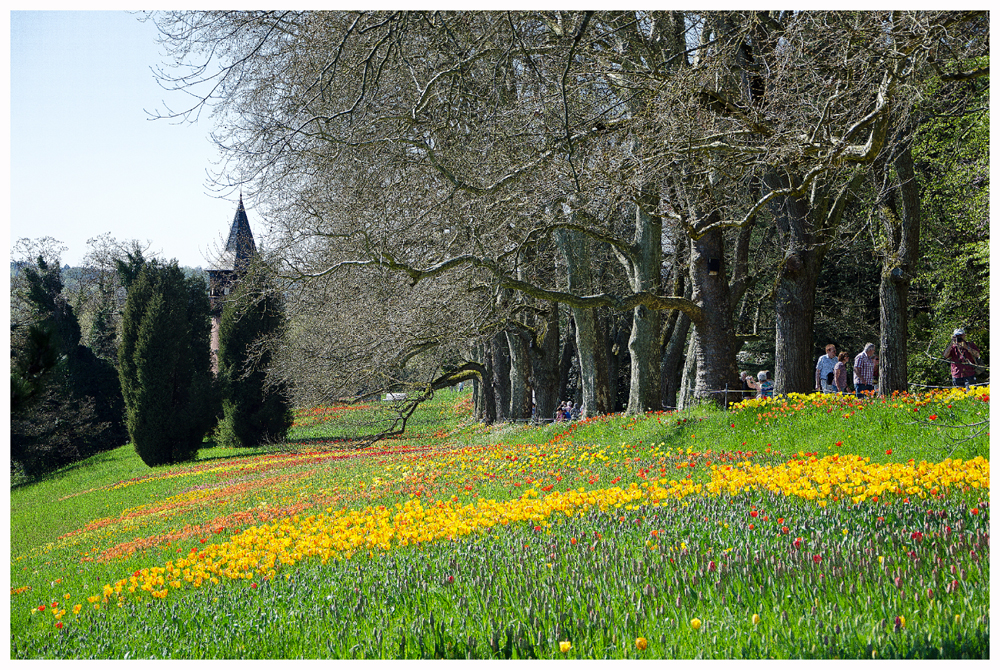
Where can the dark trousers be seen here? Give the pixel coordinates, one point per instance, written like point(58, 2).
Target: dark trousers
point(963, 381)
point(858, 388)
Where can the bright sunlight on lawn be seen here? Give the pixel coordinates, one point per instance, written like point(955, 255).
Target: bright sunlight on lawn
point(805, 527)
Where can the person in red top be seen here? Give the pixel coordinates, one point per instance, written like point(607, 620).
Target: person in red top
point(962, 356)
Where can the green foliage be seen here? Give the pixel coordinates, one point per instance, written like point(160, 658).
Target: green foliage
point(130, 267)
point(252, 323)
point(32, 363)
point(66, 403)
point(56, 429)
point(164, 364)
point(951, 289)
point(102, 335)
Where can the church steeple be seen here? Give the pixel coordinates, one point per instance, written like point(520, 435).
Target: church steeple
point(225, 270)
point(240, 245)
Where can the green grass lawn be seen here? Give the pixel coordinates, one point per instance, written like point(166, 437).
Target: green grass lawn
point(811, 527)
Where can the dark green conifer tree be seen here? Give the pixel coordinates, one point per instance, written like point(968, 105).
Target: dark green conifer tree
point(164, 364)
point(253, 412)
point(66, 403)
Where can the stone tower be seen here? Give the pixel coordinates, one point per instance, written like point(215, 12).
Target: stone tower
point(225, 270)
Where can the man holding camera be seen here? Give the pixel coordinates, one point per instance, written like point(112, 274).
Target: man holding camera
point(962, 356)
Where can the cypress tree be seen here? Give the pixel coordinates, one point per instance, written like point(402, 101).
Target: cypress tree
point(170, 397)
point(253, 412)
point(66, 403)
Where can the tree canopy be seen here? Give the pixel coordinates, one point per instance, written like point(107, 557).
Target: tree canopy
point(499, 176)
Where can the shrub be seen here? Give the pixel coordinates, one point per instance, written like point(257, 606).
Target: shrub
point(164, 365)
point(254, 412)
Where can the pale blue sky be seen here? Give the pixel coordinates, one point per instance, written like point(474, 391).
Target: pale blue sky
point(84, 157)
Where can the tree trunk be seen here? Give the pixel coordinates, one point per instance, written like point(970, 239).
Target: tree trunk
point(565, 364)
point(806, 230)
point(795, 298)
point(590, 346)
point(644, 341)
point(520, 373)
point(501, 376)
point(690, 371)
point(903, 237)
point(594, 387)
point(714, 330)
point(484, 398)
point(673, 356)
point(545, 365)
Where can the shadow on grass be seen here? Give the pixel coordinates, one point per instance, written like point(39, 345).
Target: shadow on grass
point(90, 461)
point(332, 442)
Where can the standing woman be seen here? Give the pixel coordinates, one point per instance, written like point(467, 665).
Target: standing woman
point(840, 373)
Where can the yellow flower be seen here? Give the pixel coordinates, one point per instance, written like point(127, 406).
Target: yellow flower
point(755, 619)
point(641, 643)
point(696, 623)
point(564, 646)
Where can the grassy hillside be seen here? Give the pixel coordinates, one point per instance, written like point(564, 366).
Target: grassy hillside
point(810, 526)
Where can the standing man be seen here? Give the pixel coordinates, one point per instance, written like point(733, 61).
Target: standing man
point(824, 369)
point(962, 355)
point(863, 370)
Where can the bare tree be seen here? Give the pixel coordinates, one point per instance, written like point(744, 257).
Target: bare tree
point(431, 143)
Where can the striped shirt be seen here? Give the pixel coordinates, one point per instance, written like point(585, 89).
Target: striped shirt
point(863, 369)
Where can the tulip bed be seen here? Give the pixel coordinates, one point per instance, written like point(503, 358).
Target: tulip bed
point(801, 527)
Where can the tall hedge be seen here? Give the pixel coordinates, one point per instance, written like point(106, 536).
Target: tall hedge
point(253, 412)
point(164, 364)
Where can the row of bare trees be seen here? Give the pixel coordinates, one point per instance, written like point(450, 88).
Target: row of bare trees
point(459, 196)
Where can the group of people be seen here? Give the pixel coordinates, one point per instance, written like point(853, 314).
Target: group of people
point(762, 385)
point(831, 369)
point(567, 411)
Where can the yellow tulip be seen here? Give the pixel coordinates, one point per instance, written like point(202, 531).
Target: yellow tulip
point(696, 623)
point(755, 619)
point(564, 646)
point(641, 643)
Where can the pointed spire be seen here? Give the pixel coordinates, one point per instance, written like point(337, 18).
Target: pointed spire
point(240, 246)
